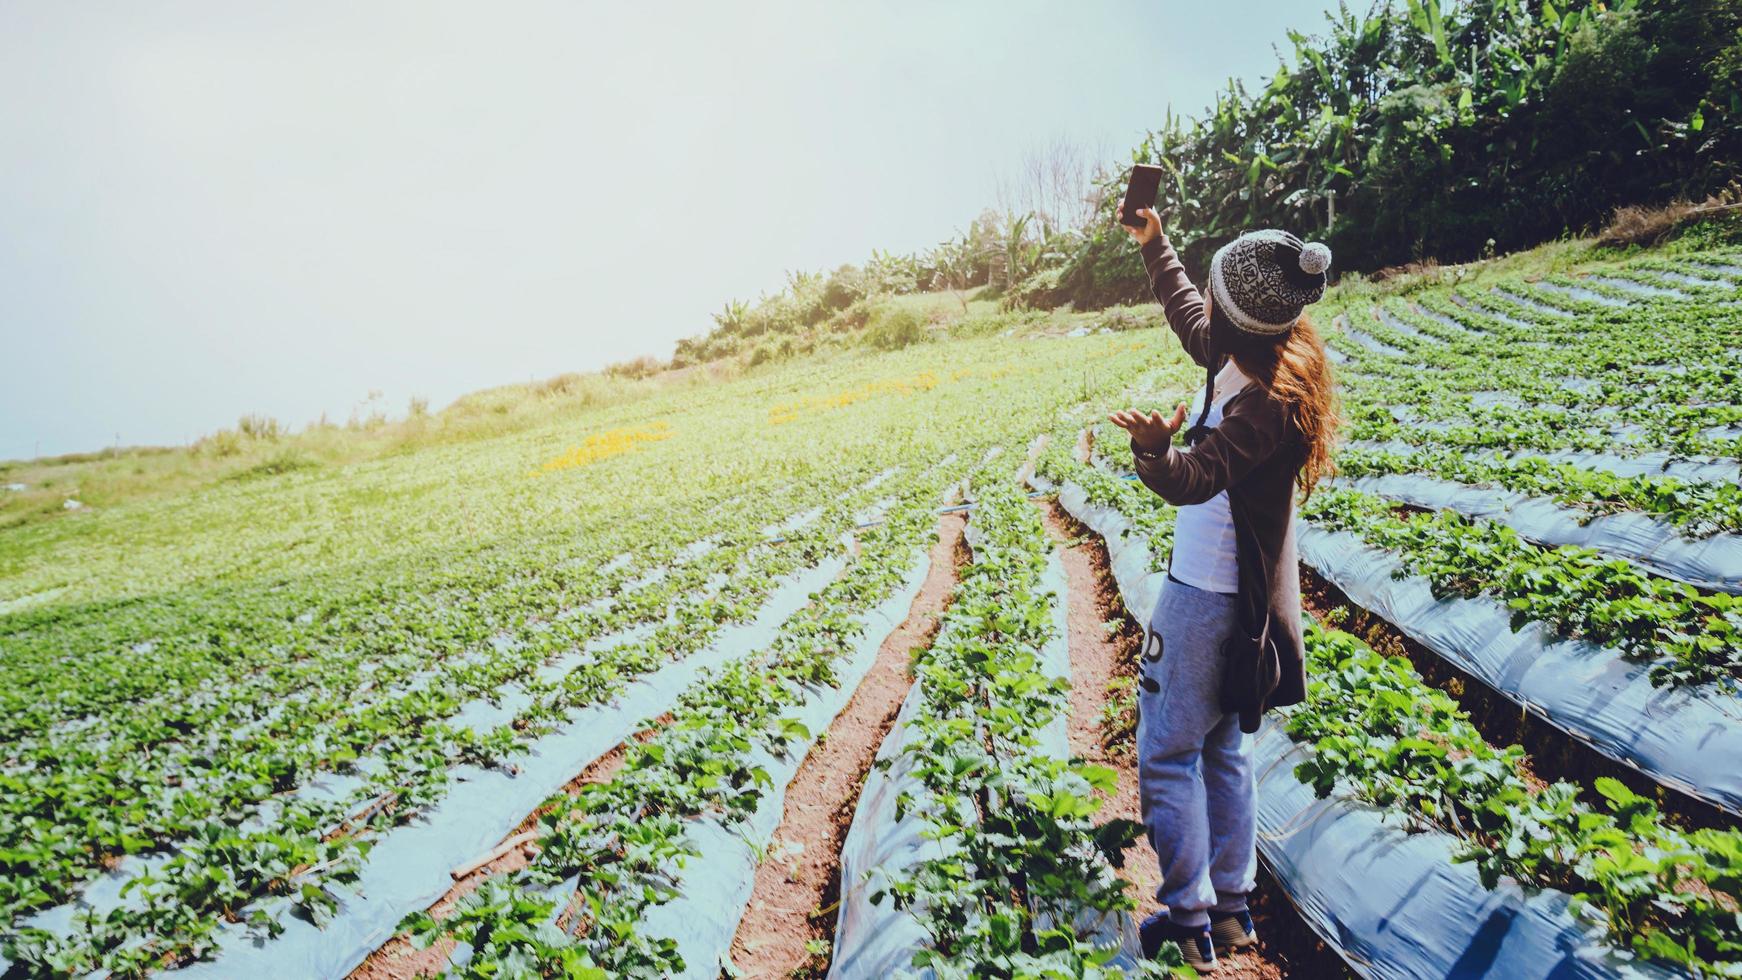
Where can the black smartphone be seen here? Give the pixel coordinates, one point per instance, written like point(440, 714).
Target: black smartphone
point(1140, 193)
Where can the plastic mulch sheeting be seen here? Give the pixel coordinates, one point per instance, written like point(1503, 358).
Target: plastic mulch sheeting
point(1641, 289)
point(1398, 324)
point(1580, 292)
point(1689, 739)
point(1394, 903)
point(1372, 343)
point(408, 867)
point(879, 940)
point(1055, 741)
point(716, 885)
point(1391, 902)
point(1638, 464)
point(1713, 562)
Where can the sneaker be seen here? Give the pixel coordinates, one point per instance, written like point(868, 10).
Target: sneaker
point(1233, 930)
point(1194, 941)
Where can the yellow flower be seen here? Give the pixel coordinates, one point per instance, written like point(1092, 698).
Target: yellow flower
point(604, 445)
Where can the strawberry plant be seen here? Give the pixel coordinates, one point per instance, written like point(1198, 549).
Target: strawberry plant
point(1022, 860)
point(1690, 637)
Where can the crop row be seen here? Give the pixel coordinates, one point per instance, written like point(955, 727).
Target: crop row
point(1381, 735)
point(1696, 509)
point(616, 849)
point(282, 670)
point(1659, 403)
point(1016, 877)
point(1579, 592)
point(1693, 637)
point(1524, 366)
point(206, 660)
point(238, 835)
point(1378, 734)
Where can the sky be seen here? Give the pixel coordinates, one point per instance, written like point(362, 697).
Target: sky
point(211, 209)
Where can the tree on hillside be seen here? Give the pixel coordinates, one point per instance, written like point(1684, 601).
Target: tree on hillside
point(1440, 126)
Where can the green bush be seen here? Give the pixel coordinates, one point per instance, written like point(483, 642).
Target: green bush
point(1105, 270)
point(851, 319)
point(1722, 230)
point(894, 327)
point(284, 461)
point(845, 286)
point(1133, 318)
point(263, 427)
point(987, 325)
point(1039, 291)
point(1444, 130)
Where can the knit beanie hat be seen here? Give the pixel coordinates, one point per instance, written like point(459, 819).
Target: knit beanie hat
point(1262, 280)
point(1259, 284)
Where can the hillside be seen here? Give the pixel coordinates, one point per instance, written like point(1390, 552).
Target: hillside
point(299, 695)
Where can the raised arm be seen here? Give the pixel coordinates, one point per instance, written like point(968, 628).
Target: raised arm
point(1179, 299)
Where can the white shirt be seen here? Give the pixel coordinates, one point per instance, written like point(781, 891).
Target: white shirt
point(1203, 534)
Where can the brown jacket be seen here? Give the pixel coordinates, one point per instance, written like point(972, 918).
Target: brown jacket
point(1255, 454)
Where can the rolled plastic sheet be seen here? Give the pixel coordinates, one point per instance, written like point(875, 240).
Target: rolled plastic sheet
point(1055, 655)
point(1493, 399)
point(1387, 898)
point(1503, 317)
point(1729, 270)
point(879, 940)
point(1128, 551)
point(408, 868)
point(1651, 464)
point(1685, 278)
point(1713, 563)
point(1689, 739)
point(715, 886)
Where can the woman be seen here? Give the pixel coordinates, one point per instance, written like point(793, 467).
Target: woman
point(1224, 642)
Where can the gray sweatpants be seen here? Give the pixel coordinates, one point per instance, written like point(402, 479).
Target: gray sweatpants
point(1194, 765)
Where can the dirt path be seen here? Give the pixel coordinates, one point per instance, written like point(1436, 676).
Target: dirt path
point(398, 959)
point(1103, 660)
point(787, 926)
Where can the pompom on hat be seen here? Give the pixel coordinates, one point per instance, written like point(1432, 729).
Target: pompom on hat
point(1262, 281)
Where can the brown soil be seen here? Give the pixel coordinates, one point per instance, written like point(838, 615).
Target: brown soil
point(398, 959)
point(798, 882)
point(1286, 947)
point(1551, 753)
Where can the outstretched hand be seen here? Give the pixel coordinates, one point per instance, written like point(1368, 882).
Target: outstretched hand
point(1150, 432)
point(1151, 225)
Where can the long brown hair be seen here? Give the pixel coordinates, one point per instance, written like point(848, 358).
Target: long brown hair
point(1297, 372)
